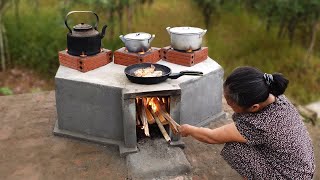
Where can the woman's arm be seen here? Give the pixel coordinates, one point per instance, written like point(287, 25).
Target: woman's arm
point(223, 134)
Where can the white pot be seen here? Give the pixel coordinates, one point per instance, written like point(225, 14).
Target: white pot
point(186, 38)
point(137, 42)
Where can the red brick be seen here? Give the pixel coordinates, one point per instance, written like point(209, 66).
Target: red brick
point(123, 57)
point(85, 63)
point(184, 58)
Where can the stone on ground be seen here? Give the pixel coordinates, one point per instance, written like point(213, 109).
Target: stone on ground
point(156, 159)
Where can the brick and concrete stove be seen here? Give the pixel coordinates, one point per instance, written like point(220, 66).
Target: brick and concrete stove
point(99, 105)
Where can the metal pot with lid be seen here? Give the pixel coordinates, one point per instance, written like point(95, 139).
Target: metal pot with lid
point(137, 42)
point(186, 38)
point(84, 39)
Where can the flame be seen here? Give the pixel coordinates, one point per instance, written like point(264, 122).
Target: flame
point(189, 50)
point(83, 54)
point(141, 52)
point(153, 105)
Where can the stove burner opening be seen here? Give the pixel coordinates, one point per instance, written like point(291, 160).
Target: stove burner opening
point(142, 52)
point(153, 118)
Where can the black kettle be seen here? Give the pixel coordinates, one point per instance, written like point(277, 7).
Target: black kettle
point(84, 39)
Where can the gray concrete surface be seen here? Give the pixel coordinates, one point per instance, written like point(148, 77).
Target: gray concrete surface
point(156, 159)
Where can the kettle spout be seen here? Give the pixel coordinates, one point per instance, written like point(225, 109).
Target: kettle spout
point(103, 32)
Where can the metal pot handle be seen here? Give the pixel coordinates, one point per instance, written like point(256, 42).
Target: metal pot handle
point(71, 12)
point(168, 29)
point(152, 37)
point(122, 38)
point(181, 73)
point(203, 33)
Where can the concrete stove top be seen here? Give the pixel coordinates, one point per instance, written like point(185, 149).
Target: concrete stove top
point(113, 75)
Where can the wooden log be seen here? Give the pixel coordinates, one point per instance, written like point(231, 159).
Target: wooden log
point(150, 118)
point(138, 112)
point(161, 110)
point(154, 100)
point(163, 131)
point(161, 118)
point(173, 124)
point(145, 122)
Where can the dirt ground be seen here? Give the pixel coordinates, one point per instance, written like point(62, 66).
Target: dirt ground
point(30, 151)
point(22, 80)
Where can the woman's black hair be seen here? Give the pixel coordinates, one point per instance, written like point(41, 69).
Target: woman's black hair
point(247, 86)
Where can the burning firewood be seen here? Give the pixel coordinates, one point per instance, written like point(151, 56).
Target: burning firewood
point(155, 108)
point(161, 111)
point(151, 110)
point(163, 131)
point(148, 113)
point(141, 116)
point(138, 112)
point(145, 122)
point(150, 118)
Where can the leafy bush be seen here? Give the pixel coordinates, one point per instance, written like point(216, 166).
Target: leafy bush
point(34, 40)
point(5, 91)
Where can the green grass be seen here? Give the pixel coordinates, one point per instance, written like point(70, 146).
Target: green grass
point(241, 39)
point(235, 38)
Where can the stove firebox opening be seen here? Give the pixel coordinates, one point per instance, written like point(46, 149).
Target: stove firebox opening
point(153, 118)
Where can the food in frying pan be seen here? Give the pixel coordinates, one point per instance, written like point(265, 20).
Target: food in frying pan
point(148, 72)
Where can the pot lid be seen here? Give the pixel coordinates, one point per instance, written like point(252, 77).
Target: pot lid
point(138, 36)
point(186, 30)
point(82, 27)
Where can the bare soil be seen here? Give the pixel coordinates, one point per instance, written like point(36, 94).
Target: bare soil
point(22, 80)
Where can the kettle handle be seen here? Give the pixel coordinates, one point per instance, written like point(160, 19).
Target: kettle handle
point(71, 12)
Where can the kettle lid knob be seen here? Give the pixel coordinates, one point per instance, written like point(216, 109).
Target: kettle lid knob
point(82, 27)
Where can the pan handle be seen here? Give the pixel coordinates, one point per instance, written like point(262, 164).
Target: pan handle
point(181, 73)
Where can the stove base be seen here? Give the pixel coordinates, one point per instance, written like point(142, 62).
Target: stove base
point(100, 140)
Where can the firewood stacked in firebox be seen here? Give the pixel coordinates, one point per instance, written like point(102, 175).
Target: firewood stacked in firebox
point(153, 110)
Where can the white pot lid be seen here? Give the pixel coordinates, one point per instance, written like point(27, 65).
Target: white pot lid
point(138, 36)
point(186, 30)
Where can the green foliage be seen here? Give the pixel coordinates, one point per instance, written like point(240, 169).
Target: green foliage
point(209, 8)
point(288, 15)
point(35, 40)
point(5, 91)
point(242, 44)
point(36, 37)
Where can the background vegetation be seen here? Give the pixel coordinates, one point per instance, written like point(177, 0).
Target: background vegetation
point(273, 35)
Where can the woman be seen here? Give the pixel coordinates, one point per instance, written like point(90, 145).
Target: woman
point(267, 139)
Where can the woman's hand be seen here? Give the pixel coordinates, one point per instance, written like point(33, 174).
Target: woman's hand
point(185, 130)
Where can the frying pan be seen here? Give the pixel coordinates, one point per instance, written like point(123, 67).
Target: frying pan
point(166, 73)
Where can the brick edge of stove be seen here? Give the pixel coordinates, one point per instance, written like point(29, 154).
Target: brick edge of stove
point(127, 59)
point(124, 151)
point(182, 58)
point(86, 63)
